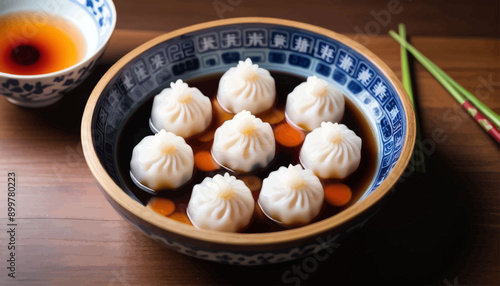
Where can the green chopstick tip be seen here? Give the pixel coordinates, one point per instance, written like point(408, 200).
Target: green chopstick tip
point(405, 66)
point(456, 90)
point(406, 79)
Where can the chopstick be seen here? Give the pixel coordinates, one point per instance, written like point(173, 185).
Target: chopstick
point(406, 78)
point(481, 113)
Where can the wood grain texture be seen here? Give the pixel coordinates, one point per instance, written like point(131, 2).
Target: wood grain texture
point(440, 228)
point(434, 18)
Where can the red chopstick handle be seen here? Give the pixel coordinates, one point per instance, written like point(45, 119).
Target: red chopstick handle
point(483, 121)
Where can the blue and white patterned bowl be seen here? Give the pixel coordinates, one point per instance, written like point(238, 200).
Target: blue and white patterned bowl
point(96, 20)
point(274, 44)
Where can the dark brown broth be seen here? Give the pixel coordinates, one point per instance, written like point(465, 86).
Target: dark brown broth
point(137, 128)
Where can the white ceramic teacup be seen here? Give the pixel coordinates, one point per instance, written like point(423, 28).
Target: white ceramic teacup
point(96, 21)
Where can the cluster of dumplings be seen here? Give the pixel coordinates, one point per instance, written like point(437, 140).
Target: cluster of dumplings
point(292, 195)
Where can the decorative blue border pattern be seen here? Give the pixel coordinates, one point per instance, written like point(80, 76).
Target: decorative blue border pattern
point(273, 47)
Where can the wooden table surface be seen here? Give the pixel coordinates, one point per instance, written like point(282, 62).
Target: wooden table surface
point(439, 228)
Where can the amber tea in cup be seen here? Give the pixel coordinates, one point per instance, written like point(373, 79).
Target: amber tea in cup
point(38, 42)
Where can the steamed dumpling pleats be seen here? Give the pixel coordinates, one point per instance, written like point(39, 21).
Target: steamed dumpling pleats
point(246, 87)
point(332, 151)
point(221, 203)
point(181, 109)
point(162, 161)
point(313, 102)
point(291, 196)
point(244, 143)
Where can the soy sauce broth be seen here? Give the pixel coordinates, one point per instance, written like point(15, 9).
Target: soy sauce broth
point(137, 128)
point(36, 42)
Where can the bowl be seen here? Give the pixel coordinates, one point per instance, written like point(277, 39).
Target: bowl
point(95, 19)
point(274, 44)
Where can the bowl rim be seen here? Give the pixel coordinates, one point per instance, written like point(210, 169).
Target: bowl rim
point(238, 239)
point(80, 63)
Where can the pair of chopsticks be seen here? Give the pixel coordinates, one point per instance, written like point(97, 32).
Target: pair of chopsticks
point(487, 118)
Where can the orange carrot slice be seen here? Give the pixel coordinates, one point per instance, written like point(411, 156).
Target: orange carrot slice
point(273, 116)
point(338, 194)
point(180, 217)
point(258, 213)
point(162, 206)
point(221, 115)
point(207, 136)
point(205, 162)
point(254, 183)
point(288, 136)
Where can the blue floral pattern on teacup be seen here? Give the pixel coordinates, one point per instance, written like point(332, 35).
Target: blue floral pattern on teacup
point(26, 90)
point(101, 12)
point(39, 90)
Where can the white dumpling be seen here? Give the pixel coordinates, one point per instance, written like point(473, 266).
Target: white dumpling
point(292, 196)
point(162, 161)
point(246, 87)
point(313, 102)
point(244, 143)
point(181, 109)
point(221, 203)
point(331, 151)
